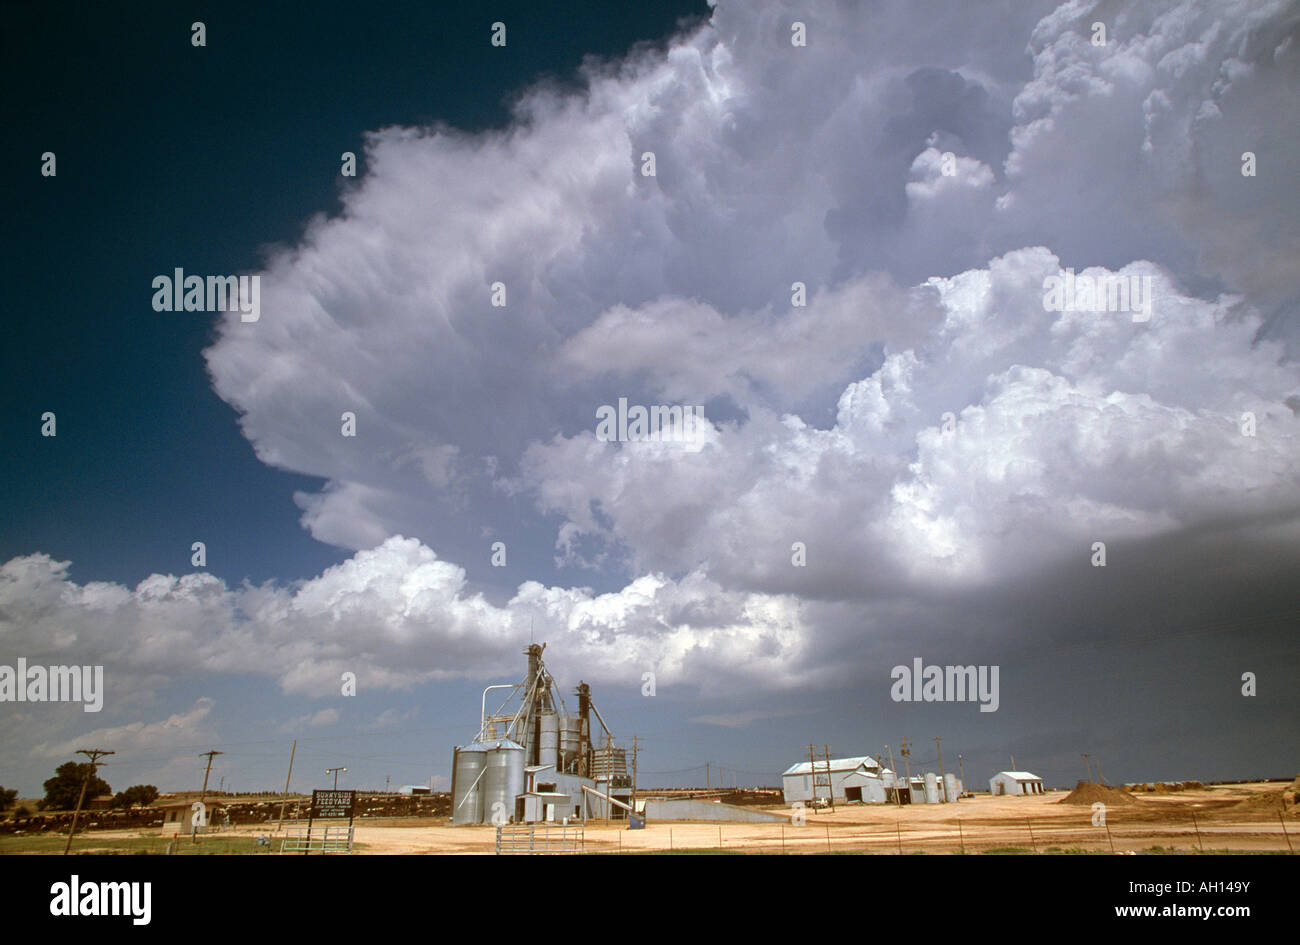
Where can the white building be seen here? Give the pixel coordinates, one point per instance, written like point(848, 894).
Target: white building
point(852, 780)
point(1015, 782)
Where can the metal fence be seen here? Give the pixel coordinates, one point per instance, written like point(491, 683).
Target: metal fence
point(539, 839)
point(317, 839)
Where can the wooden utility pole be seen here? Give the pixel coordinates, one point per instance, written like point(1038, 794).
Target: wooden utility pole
point(94, 754)
point(634, 754)
point(942, 783)
point(1086, 766)
point(830, 779)
point(907, 762)
point(706, 775)
point(194, 834)
point(898, 801)
point(961, 768)
point(286, 785)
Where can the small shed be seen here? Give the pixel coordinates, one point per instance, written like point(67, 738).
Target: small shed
point(1015, 782)
point(178, 817)
point(546, 806)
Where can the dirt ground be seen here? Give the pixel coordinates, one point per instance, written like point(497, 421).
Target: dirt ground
point(1032, 824)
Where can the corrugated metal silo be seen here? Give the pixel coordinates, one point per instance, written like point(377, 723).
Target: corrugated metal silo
point(931, 788)
point(503, 781)
point(550, 740)
point(467, 784)
point(951, 787)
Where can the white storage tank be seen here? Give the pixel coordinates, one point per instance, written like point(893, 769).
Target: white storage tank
point(951, 786)
point(931, 788)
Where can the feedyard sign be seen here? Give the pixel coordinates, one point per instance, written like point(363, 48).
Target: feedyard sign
point(333, 805)
point(327, 806)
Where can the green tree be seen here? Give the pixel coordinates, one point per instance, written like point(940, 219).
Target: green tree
point(62, 790)
point(8, 798)
point(142, 794)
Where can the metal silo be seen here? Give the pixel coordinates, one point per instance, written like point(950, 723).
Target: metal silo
point(467, 784)
point(550, 740)
point(503, 781)
point(952, 790)
point(931, 788)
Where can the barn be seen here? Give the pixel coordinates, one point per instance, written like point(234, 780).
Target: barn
point(852, 780)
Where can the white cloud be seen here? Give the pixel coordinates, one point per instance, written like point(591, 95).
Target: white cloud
point(396, 616)
point(180, 728)
point(316, 719)
point(1066, 425)
point(774, 165)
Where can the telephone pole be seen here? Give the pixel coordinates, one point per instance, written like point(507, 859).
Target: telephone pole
point(94, 755)
point(830, 778)
point(635, 746)
point(1086, 766)
point(194, 834)
point(292, 751)
point(941, 781)
point(706, 775)
point(907, 762)
point(898, 800)
point(961, 768)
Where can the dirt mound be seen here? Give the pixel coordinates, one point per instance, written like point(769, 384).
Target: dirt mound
point(1088, 793)
point(1274, 802)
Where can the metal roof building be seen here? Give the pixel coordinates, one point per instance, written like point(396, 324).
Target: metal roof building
point(1015, 782)
point(852, 779)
